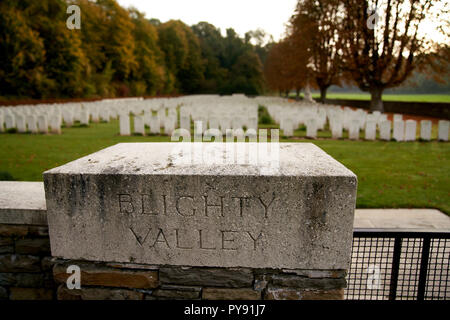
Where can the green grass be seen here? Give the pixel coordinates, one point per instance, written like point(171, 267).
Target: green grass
point(445, 98)
point(390, 174)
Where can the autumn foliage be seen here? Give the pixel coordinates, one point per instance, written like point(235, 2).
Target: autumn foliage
point(374, 45)
point(118, 52)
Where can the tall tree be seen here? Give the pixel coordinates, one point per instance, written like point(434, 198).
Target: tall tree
point(286, 66)
point(315, 24)
point(22, 54)
point(149, 78)
point(212, 47)
point(182, 54)
point(382, 40)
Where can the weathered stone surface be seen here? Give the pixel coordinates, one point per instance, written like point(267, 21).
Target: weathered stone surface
point(38, 231)
point(19, 263)
point(275, 293)
point(30, 294)
point(181, 288)
point(97, 294)
point(233, 278)
point(261, 282)
point(33, 246)
point(318, 273)
point(308, 283)
point(6, 245)
point(176, 294)
point(132, 266)
point(109, 277)
point(230, 294)
point(141, 203)
point(32, 280)
point(13, 230)
point(281, 293)
point(337, 294)
point(22, 203)
point(20, 231)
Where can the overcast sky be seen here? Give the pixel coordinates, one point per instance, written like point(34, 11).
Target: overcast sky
point(241, 15)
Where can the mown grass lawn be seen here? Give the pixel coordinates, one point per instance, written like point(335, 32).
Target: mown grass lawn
point(390, 174)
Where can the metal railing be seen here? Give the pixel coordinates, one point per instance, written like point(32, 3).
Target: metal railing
point(399, 265)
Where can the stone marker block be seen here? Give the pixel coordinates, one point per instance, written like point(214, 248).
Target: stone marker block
point(124, 123)
point(353, 131)
point(425, 129)
point(10, 121)
point(22, 203)
point(336, 128)
point(399, 131)
point(84, 117)
point(371, 130)
point(311, 128)
point(32, 124)
point(443, 130)
point(410, 130)
point(21, 123)
point(43, 124)
point(142, 203)
point(385, 130)
point(139, 126)
point(155, 124)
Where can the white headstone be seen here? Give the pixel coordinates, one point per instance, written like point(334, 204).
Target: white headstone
point(410, 130)
point(104, 114)
point(311, 128)
point(139, 125)
point(124, 122)
point(67, 115)
point(213, 122)
point(21, 123)
point(353, 131)
point(185, 122)
point(288, 127)
point(371, 129)
point(336, 128)
point(155, 126)
point(55, 123)
point(399, 130)
point(425, 130)
point(398, 117)
point(236, 123)
point(385, 130)
point(84, 117)
point(43, 123)
point(10, 121)
point(443, 130)
point(169, 124)
point(32, 124)
point(94, 114)
point(225, 123)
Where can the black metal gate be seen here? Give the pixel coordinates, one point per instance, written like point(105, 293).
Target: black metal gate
point(399, 265)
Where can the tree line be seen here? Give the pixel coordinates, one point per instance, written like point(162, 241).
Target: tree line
point(119, 52)
point(372, 44)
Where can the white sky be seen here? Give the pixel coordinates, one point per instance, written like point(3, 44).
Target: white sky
point(241, 15)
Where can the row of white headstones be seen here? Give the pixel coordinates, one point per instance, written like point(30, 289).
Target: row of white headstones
point(235, 112)
point(49, 118)
point(238, 113)
point(206, 111)
point(314, 116)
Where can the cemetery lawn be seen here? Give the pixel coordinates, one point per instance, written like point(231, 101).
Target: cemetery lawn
point(390, 174)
